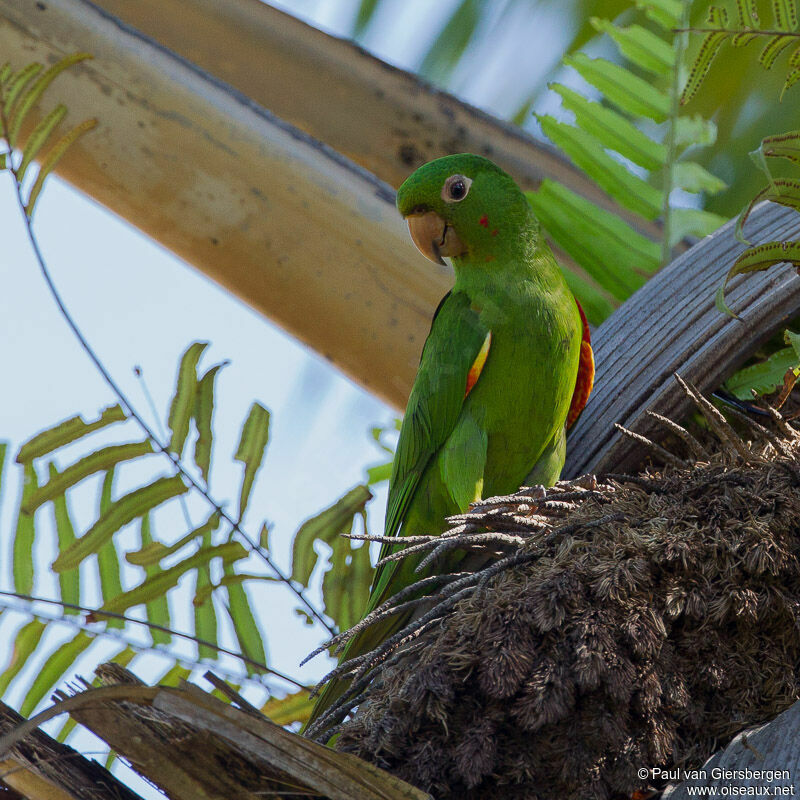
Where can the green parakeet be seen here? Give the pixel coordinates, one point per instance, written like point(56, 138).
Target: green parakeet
point(506, 366)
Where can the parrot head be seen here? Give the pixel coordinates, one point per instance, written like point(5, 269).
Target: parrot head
point(463, 205)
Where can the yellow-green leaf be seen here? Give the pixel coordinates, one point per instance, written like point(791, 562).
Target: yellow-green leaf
point(764, 377)
point(702, 63)
point(588, 155)
point(621, 87)
point(691, 177)
point(747, 13)
point(612, 130)
point(325, 526)
point(295, 707)
point(639, 45)
point(783, 191)
point(694, 130)
point(251, 642)
point(203, 418)
point(157, 608)
point(54, 155)
point(667, 13)
point(38, 137)
point(53, 670)
point(22, 548)
point(25, 643)
point(611, 251)
point(773, 48)
point(162, 581)
point(103, 459)
point(69, 581)
point(181, 408)
point(786, 146)
point(30, 96)
point(346, 583)
point(756, 259)
point(66, 432)
point(692, 222)
point(123, 511)
point(205, 615)
point(785, 14)
point(108, 559)
point(153, 552)
point(252, 444)
point(16, 83)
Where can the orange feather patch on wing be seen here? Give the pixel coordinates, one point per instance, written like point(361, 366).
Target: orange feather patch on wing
point(585, 378)
point(477, 365)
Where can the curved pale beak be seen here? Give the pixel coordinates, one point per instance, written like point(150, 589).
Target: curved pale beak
point(433, 237)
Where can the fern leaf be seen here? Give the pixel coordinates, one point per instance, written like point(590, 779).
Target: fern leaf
point(625, 90)
point(756, 259)
point(626, 188)
point(785, 12)
point(606, 246)
point(67, 432)
point(229, 579)
point(154, 552)
point(3, 161)
point(30, 96)
point(326, 527)
point(25, 644)
point(791, 80)
point(163, 580)
point(773, 48)
point(251, 642)
point(743, 39)
point(16, 84)
point(24, 536)
point(181, 408)
point(612, 129)
point(53, 670)
point(783, 191)
point(294, 707)
point(694, 130)
point(765, 376)
point(666, 13)
point(786, 145)
point(108, 560)
point(69, 581)
point(345, 586)
point(101, 460)
point(639, 45)
point(38, 137)
point(54, 155)
point(747, 13)
point(203, 416)
point(5, 72)
point(157, 609)
point(692, 177)
point(205, 615)
point(693, 222)
point(123, 511)
point(702, 63)
point(252, 445)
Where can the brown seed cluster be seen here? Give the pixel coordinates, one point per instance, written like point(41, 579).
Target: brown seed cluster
point(641, 622)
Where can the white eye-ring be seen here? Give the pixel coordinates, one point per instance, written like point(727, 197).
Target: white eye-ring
point(456, 188)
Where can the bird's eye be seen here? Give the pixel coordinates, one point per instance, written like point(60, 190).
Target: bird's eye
point(456, 188)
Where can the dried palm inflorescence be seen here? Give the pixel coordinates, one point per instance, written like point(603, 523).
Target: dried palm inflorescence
point(634, 622)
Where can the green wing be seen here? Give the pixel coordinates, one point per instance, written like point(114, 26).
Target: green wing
point(434, 406)
point(432, 413)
